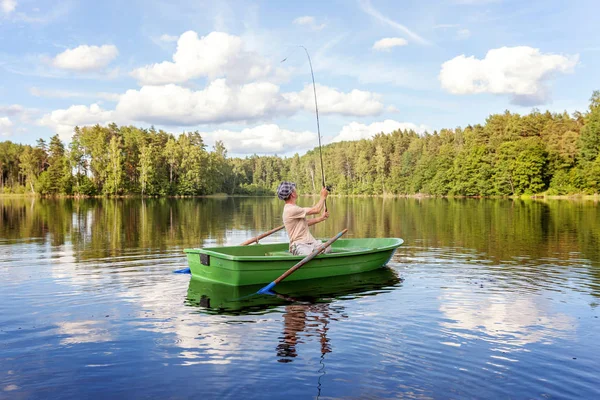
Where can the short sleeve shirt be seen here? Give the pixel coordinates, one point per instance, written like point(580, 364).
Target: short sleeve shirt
point(296, 225)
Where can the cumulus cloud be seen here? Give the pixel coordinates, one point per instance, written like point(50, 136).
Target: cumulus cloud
point(309, 22)
point(5, 126)
point(63, 121)
point(386, 44)
point(86, 58)
point(215, 55)
point(218, 102)
point(357, 131)
point(522, 72)
point(332, 101)
point(268, 138)
point(8, 6)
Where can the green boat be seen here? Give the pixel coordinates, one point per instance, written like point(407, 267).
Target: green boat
point(218, 298)
point(262, 263)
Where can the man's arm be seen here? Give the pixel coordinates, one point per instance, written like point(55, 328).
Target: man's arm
point(317, 208)
point(322, 218)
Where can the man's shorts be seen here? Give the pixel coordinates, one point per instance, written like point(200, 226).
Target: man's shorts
point(304, 249)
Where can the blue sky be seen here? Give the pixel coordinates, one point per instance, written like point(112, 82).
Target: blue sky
point(215, 66)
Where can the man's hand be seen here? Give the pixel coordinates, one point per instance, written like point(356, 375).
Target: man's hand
point(325, 215)
point(324, 193)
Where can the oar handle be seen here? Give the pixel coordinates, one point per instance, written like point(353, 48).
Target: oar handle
point(310, 256)
point(262, 236)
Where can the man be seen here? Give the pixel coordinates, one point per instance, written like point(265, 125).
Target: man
point(295, 221)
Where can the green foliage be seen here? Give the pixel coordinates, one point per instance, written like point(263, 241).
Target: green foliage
point(509, 155)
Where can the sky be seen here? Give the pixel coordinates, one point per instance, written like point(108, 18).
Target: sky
point(236, 71)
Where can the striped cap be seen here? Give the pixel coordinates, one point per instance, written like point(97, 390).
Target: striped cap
point(285, 189)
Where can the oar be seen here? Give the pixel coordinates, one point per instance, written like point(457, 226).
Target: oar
point(309, 257)
point(246, 243)
point(262, 236)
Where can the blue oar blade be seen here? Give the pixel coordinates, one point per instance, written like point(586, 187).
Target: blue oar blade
point(183, 271)
point(267, 289)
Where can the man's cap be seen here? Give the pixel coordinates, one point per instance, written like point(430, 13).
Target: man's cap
point(285, 189)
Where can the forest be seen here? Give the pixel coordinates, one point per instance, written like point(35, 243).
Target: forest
point(510, 154)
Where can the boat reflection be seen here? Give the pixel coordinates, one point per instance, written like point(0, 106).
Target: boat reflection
point(216, 298)
point(307, 306)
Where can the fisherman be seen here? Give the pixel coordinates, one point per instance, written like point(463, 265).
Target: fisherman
point(302, 243)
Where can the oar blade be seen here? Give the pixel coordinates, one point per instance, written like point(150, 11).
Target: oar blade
point(267, 289)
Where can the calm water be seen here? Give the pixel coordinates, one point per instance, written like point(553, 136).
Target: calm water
point(486, 299)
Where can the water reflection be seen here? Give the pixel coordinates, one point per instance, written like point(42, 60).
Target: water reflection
point(504, 318)
point(308, 320)
point(83, 332)
point(216, 298)
point(502, 228)
point(308, 307)
point(497, 291)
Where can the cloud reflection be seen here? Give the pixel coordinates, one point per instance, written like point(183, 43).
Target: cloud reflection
point(506, 318)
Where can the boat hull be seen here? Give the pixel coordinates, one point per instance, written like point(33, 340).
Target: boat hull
point(260, 264)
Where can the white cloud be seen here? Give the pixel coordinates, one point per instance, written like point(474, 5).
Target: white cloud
point(67, 94)
point(218, 102)
point(369, 9)
point(522, 72)
point(309, 22)
point(215, 55)
point(13, 109)
point(332, 101)
point(357, 131)
point(8, 6)
point(268, 138)
point(63, 121)
point(16, 110)
point(86, 58)
point(168, 38)
point(386, 44)
point(5, 126)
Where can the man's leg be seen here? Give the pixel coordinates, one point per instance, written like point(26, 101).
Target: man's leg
point(302, 249)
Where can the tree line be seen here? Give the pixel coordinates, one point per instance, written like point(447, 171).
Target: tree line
point(510, 154)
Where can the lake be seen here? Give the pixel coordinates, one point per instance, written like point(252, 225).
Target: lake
point(486, 299)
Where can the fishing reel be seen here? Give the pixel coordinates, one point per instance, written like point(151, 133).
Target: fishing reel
point(328, 187)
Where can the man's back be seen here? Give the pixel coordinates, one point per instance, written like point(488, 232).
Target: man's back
point(296, 225)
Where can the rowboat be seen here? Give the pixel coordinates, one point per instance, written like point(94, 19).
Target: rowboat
point(218, 298)
point(262, 263)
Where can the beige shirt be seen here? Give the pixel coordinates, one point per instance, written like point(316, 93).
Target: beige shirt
point(296, 224)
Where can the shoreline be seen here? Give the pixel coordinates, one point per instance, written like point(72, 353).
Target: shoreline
point(595, 197)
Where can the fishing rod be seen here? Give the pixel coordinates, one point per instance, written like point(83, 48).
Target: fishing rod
point(312, 74)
